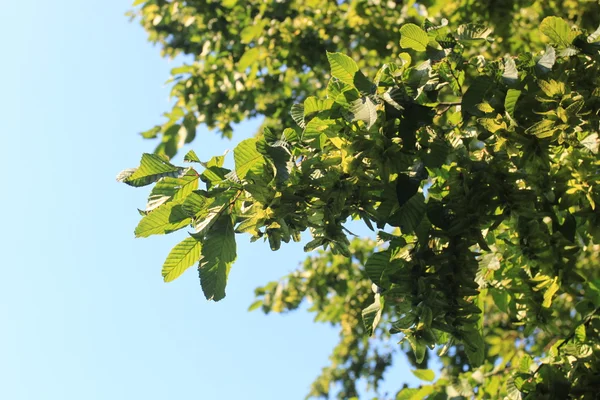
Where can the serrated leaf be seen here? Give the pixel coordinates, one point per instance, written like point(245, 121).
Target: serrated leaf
point(541, 129)
point(342, 67)
point(413, 37)
point(510, 101)
point(181, 257)
point(218, 254)
point(557, 30)
point(191, 157)
point(165, 219)
point(297, 113)
point(152, 168)
point(424, 374)
point(247, 158)
point(169, 188)
point(552, 88)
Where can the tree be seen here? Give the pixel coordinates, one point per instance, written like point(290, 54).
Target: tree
point(479, 173)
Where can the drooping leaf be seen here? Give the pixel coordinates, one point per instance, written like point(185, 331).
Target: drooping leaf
point(181, 257)
point(377, 267)
point(510, 101)
point(372, 315)
point(218, 254)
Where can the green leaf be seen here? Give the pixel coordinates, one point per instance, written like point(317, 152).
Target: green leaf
point(377, 266)
point(346, 70)
point(218, 254)
point(169, 188)
point(542, 129)
point(152, 168)
point(167, 218)
point(410, 214)
point(297, 113)
point(181, 257)
point(191, 157)
point(424, 374)
point(549, 294)
point(372, 314)
point(364, 109)
point(510, 102)
point(413, 37)
point(557, 30)
point(418, 346)
point(250, 57)
point(342, 67)
point(247, 158)
point(472, 33)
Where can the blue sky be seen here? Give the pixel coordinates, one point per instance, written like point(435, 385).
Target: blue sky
point(85, 312)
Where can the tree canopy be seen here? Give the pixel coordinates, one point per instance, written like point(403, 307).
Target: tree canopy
point(469, 148)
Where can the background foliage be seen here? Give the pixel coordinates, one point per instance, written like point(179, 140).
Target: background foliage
point(461, 133)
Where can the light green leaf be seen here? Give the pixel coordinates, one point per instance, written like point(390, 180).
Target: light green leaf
point(558, 31)
point(167, 218)
point(191, 157)
point(549, 294)
point(413, 37)
point(172, 189)
point(472, 33)
point(152, 168)
point(541, 129)
point(247, 158)
point(424, 374)
point(181, 257)
point(218, 254)
point(250, 57)
point(342, 67)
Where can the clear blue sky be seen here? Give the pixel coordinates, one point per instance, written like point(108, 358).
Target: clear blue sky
point(85, 313)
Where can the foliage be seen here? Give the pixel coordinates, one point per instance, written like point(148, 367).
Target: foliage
point(480, 175)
